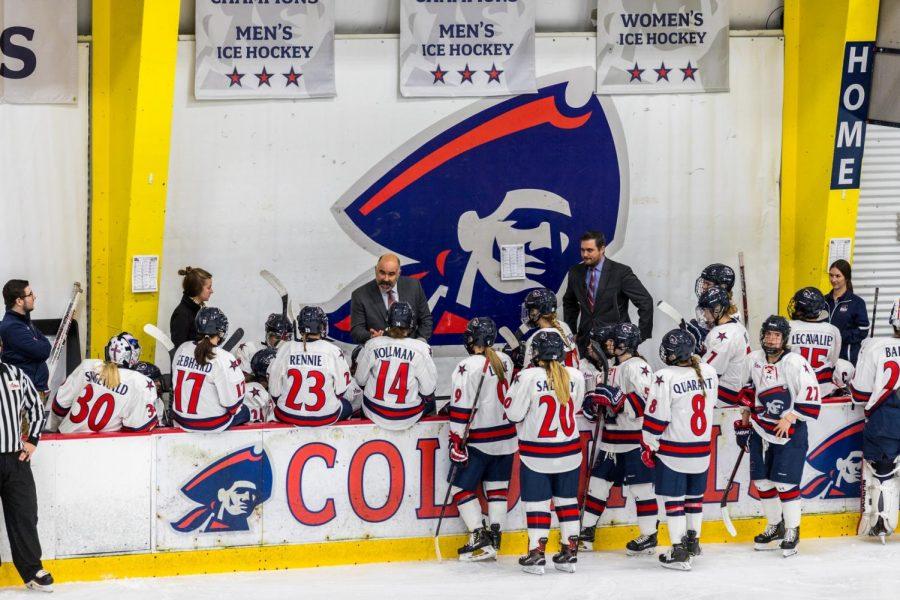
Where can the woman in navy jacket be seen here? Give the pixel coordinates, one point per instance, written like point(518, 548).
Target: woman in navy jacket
point(846, 310)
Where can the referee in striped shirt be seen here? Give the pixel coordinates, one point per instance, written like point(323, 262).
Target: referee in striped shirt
point(18, 399)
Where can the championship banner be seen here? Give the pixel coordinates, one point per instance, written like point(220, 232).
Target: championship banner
point(472, 49)
point(264, 49)
point(38, 51)
point(662, 46)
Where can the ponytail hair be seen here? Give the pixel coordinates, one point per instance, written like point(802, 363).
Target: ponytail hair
point(109, 374)
point(194, 280)
point(205, 351)
point(398, 333)
point(554, 321)
point(496, 363)
point(695, 363)
point(558, 378)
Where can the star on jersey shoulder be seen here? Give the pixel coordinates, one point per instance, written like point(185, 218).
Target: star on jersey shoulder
point(254, 392)
point(721, 336)
point(659, 380)
point(235, 363)
point(150, 385)
point(645, 371)
point(462, 369)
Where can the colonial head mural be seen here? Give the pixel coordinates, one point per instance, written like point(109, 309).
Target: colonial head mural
point(838, 459)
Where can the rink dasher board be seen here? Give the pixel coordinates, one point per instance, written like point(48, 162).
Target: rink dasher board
point(122, 493)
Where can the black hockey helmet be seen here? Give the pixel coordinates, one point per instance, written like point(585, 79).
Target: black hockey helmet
point(480, 331)
point(547, 345)
point(149, 370)
point(627, 338)
point(539, 301)
point(211, 321)
point(600, 334)
point(808, 304)
point(676, 347)
point(279, 326)
point(260, 362)
point(715, 275)
point(717, 302)
point(778, 324)
point(312, 320)
point(400, 315)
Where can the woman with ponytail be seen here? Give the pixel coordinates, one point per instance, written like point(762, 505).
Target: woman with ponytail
point(675, 440)
point(539, 312)
point(197, 287)
point(484, 459)
point(108, 394)
point(542, 402)
point(208, 382)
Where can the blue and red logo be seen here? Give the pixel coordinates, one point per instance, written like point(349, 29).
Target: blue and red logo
point(227, 491)
point(535, 169)
point(839, 461)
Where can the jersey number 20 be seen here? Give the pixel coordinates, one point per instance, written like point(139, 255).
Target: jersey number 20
point(566, 414)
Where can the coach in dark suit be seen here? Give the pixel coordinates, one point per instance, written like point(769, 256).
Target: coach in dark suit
point(369, 302)
point(598, 292)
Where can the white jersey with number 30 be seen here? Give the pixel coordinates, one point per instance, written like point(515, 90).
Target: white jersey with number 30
point(206, 396)
point(308, 385)
point(84, 404)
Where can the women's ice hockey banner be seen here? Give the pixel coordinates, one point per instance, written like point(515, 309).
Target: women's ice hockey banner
point(38, 51)
point(264, 49)
point(662, 46)
point(466, 48)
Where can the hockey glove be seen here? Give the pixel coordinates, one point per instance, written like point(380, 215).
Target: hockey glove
point(648, 456)
point(742, 435)
point(747, 398)
point(607, 396)
point(696, 331)
point(458, 451)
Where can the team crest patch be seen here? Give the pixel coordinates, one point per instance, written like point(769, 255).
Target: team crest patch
point(228, 490)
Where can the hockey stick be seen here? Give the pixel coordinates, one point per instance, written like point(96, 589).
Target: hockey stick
point(874, 312)
point(63, 330)
point(863, 523)
point(670, 311)
point(744, 289)
point(270, 278)
point(723, 505)
point(236, 337)
point(157, 334)
point(455, 465)
point(592, 455)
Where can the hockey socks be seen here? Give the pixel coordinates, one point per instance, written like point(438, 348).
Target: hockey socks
point(537, 517)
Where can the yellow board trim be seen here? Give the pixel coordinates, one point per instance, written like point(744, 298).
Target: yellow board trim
point(357, 552)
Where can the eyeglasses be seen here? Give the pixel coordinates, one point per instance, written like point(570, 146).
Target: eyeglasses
point(28, 295)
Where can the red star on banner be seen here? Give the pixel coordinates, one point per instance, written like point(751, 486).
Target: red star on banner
point(264, 78)
point(493, 74)
point(662, 72)
point(635, 73)
point(689, 72)
point(235, 78)
point(466, 74)
point(293, 78)
point(438, 75)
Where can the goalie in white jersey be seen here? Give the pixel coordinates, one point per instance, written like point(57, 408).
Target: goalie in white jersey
point(786, 398)
point(208, 382)
point(877, 385)
point(676, 437)
point(310, 377)
point(542, 402)
point(107, 395)
point(539, 313)
point(727, 344)
point(484, 458)
point(620, 403)
point(397, 373)
point(817, 340)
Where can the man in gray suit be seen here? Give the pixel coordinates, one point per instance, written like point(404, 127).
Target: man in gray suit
point(370, 301)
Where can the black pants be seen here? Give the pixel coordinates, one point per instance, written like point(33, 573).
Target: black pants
point(19, 498)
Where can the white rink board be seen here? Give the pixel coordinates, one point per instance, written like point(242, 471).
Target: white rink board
point(123, 493)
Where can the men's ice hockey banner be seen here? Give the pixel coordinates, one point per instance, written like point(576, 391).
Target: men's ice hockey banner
point(662, 46)
point(466, 48)
point(264, 49)
point(38, 51)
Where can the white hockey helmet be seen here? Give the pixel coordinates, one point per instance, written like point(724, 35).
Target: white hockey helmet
point(124, 350)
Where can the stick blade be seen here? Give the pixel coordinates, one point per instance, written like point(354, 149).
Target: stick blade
point(437, 548)
point(726, 520)
point(274, 282)
point(508, 337)
point(236, 337)
point(670, 311)
point(157, 334)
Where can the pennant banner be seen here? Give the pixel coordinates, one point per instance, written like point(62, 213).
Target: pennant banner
point(38, 51)
point(662, 46)
point(466, 49)
point(264, 49)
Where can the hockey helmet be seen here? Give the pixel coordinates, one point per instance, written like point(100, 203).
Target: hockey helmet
point(777, 324)
point(279, 326)
point(626, 338)
point(312, 320)
point(714, 275)
point(676, 347)
point(400, 315)
point(123, 349)
point(712, 306)
point(211, 321)
point(547, 345)
point(538, 302)
point(808, 304)
point(480, 331)
point(260, 362)
point(600, 335)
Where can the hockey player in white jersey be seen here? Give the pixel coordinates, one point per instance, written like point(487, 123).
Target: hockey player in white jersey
point(152, 372)
point(539, 312)
point(309, 377)
point(278, 329)
point(107, 395)
point(876, 384)
point(786, 398)
point(620, 403)
point(256, 396)
point(676, 437)
point(397, 373)
point(814, 338)
point(485, 459)
point(542, 402)
point(714, 275)
point(727, 344)
point(208, 382)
